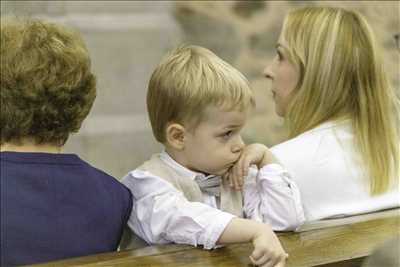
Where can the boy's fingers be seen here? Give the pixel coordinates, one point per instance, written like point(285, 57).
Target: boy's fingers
point(282, 263)
point(267, 264)
point(252, 260)
point(238, 185)
point(263, 261)
point(227, 177)
point(238, 168)
point(235, 171)
point(261, 257)
point(236, 176)
point(245, 166)
point(257, 254)
point(230, 179)
point(231, 176)
point(239, 177)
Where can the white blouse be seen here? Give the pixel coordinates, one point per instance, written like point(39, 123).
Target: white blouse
point(161, 214)
point(328, 171)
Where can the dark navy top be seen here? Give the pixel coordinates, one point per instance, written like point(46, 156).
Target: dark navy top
point(56, 206)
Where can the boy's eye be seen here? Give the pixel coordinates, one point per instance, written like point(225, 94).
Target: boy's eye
point(227, 134)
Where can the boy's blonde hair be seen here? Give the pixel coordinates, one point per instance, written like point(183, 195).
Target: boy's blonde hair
point(189, 79)
point(342, 76)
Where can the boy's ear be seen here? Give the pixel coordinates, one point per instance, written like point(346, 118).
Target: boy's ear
point(175, 135)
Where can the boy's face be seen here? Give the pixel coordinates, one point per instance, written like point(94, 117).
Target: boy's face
point(215, 144)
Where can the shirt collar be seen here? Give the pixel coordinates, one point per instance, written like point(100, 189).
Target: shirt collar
point(164, 156)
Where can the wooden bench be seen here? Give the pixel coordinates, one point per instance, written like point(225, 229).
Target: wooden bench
point(335, 242)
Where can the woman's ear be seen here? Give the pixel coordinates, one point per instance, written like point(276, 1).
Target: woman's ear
point(175, 135)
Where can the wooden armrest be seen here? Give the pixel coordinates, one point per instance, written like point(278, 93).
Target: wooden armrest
point(326, 223)
point(353, 239)
point(341, 239)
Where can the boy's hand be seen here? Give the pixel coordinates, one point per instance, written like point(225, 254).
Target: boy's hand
point(268, 250)
point(257, 154)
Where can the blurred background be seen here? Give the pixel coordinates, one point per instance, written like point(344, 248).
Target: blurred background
point(126, 40)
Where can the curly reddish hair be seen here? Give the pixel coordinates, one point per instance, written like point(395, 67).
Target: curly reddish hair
point(47, 87)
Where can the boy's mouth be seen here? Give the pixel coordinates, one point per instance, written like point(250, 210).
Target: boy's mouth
point(230, 165)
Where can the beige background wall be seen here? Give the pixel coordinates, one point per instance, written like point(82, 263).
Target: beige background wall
point(126, 39)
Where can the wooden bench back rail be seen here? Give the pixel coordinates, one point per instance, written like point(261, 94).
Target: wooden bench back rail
point(317, 243)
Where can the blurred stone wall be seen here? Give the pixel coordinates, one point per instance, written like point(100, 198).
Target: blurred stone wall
point(126, 39)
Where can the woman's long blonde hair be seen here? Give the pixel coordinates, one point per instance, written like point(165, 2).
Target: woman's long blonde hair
point(342, 76)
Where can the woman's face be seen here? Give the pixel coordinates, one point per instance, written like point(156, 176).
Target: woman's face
point(284, 76)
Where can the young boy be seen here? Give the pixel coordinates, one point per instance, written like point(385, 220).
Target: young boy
point(198, 105)
point(53, 205)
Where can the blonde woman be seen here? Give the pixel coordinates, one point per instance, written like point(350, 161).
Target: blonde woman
point(329, 84)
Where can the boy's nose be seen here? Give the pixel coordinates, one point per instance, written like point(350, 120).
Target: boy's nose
point(238, 146)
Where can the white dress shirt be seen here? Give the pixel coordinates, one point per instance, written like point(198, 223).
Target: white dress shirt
point(161, 214)
point(271, 196)
point(328, 171)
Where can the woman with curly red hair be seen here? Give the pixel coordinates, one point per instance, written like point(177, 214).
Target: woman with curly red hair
point(53, 205)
